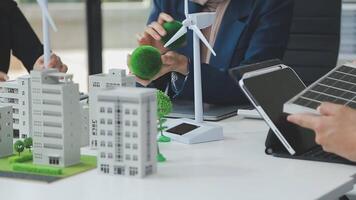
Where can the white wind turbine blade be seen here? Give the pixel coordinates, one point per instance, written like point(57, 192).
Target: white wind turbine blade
point(186, 8)
point(203, 20)
point(179, 34)
point(202, 38)
point(45, 12)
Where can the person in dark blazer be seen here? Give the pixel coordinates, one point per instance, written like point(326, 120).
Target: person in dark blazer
point(17, 37)
point(245, 32)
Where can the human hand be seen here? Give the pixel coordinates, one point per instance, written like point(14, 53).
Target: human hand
point(172, 62)
point(3, 77)
point(335, 129)
point(154, 32)
point(55, 62)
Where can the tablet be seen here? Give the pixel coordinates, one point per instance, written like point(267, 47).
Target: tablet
point(268, 89)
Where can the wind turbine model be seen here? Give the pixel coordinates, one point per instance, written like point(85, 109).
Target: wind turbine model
point(46, 21)
point(199, 131)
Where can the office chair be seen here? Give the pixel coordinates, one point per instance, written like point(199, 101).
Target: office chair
point(313, 46)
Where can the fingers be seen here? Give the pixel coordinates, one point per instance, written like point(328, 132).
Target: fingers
point(151, 32)
point(164, 17)
point(158, 28)
point(304, 120)
point(3, 77)
point(329, 108)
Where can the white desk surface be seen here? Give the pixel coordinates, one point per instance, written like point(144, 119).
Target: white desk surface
point(235, 168)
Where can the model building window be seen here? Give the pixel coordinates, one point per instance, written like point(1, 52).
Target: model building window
point(127, 123)
point(96, 84)
point(102, 155)
point(104, 168)
point(134, 123)
point(102, 109)
point(53, 160)
point(109, 132)
point(134, 135)
point(135, 146)
point(127, 157)
point(135, 158)
point(102, 143)
point(127, 134)
point(102, 121)
point(133, 171)
point(109, 110)
point(109, 144)
point(102, 132)
point(127, 146)
point(110, 155)
point(127, 111)
point(110, 121)
point(134, 112)
point(119, 170)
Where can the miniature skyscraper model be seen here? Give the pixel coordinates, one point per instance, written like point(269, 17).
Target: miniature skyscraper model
point(56, 118)
point(197, 131)
point(17, 93)
point(127, 131)
point(98, 82)
point(6, 143)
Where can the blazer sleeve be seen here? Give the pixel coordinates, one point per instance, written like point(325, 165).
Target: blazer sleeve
point(25, 44)
point(268, 41)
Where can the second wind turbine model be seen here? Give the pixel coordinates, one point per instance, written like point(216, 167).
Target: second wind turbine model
point(46, 21)
point(199, 131)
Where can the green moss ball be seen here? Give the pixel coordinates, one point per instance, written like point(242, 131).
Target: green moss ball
point(171, 29)
point(145, 62)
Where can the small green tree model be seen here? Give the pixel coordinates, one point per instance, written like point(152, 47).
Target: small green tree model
point(19, 146)
point(164, 107)
point(28, 143)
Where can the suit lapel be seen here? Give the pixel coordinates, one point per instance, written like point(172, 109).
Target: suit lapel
point(231, 29)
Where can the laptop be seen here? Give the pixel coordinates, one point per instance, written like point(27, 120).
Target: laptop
point(268, 89)
point(185, 109)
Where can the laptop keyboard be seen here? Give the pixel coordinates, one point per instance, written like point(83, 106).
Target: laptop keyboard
point(319, 153)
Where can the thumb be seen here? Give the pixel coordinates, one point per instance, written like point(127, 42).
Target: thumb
point(329, 108)
point(3, 77)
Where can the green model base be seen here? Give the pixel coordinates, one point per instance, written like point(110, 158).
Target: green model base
point(164, 139)
point(161, 158)
point(86, 163)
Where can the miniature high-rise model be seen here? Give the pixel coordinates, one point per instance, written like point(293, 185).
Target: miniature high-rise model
point(6, 131)
point(127, 131)
point(17, 93)
point(56, 118)
point(98, 82)
point(84, 137)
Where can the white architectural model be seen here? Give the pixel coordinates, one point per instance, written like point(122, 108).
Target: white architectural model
point(127, 131)
point(56, 118)
point(84, 110)
point(17, 93)
point(98, 82)
point(6, 131)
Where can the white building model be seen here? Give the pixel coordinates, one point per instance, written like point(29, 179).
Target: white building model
point(115, 78)
point(6, 131)
point(56, 118)
point(127, 131)
point(84, 111)
point(17, 94)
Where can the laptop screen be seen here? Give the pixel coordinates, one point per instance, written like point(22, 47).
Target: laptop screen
point(270, 91)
